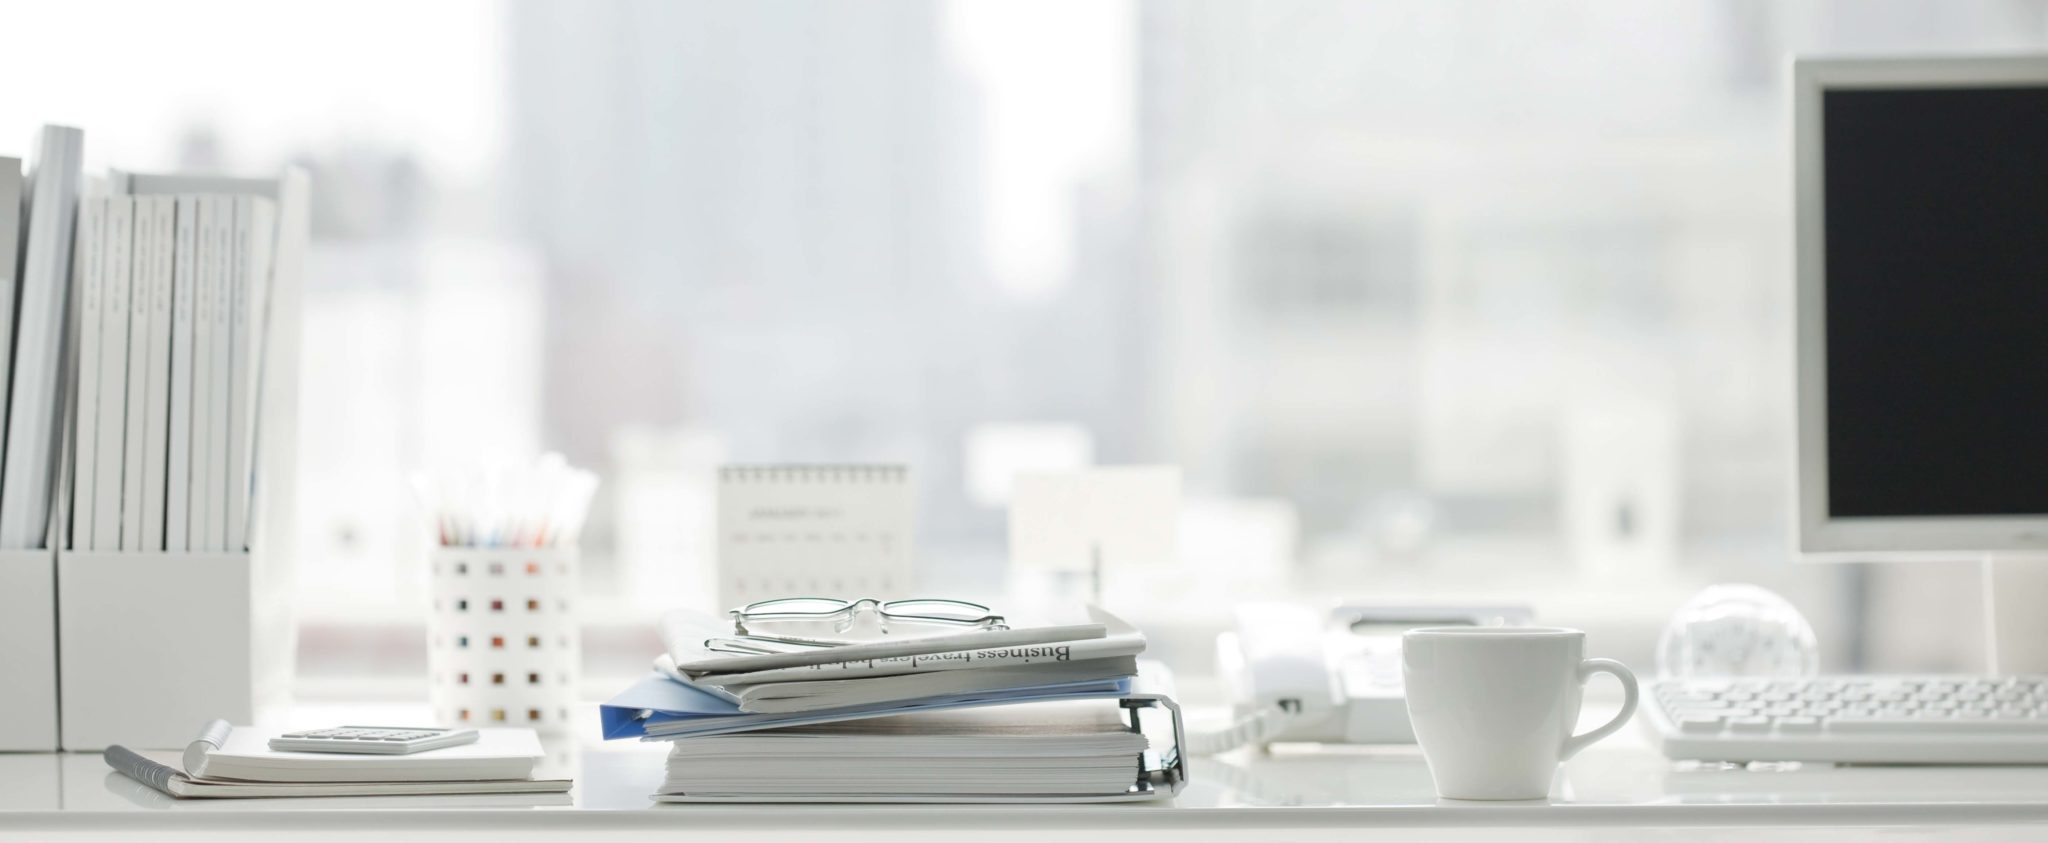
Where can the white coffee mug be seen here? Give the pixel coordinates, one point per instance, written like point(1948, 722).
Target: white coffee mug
point(1494, 707)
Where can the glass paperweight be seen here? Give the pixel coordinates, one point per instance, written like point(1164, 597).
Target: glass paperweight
point(1737, 630)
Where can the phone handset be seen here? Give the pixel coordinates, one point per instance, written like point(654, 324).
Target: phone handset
point(1282, 684)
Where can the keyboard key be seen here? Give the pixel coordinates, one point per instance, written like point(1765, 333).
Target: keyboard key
point(1749, 724)
point(1699, 725)
point(1799, 724)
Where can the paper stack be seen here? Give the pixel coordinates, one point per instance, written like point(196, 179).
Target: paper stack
point(1041, 712)
point(229, 762)
point(1033, 749)
point(1093, 651)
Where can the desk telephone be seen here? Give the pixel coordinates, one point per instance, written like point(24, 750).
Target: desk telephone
point(1299, 674)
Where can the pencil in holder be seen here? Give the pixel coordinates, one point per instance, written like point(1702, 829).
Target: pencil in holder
point(502, 642)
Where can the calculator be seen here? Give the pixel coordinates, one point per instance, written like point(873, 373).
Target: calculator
point(371, 740)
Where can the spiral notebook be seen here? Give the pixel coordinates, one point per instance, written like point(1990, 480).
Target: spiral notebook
point(226, 762)
point(813, 531)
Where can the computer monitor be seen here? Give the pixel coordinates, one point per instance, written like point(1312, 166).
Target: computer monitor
point(1922, 223)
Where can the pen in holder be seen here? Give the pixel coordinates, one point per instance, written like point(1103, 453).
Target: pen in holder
point(502, 636)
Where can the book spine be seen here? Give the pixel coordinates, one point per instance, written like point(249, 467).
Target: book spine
point(225, 269)
point(178, 465)
point(203, 302)
point(113, 385)
point(11, 200)
point(156, 436)
point(135, 425)
point(263, 262)
point(251, 226)
point(39, 393)
point(85, 438)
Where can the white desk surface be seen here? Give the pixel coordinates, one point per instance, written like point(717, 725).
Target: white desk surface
point(1611, 791)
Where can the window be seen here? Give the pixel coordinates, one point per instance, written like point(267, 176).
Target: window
point(1421, 296)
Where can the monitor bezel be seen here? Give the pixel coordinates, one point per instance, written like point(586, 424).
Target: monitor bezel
point(1819, 533)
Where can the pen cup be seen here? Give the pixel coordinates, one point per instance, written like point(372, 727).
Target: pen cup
point(502, 638)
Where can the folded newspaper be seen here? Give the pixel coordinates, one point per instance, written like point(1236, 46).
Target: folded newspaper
point(1103, 647)
point(699, 690)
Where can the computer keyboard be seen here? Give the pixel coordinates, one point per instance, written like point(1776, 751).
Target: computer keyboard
point(1854, 719)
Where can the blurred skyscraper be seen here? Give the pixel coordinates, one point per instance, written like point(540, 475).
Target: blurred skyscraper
point(766, 221)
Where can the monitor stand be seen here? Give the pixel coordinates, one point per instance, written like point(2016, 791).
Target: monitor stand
point(2016, 615)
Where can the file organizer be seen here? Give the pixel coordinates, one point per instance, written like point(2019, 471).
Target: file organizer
point(28, 650)
point(502, 640)
point(153, 645)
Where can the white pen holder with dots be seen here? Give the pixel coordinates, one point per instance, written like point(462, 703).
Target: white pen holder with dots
point(502, 642)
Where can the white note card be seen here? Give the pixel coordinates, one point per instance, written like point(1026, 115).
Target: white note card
point(1128, 515)
point(814, 531)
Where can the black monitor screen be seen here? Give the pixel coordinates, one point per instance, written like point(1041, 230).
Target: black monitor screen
point(1937, 301)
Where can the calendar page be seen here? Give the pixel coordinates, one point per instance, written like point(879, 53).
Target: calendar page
point(813, 531)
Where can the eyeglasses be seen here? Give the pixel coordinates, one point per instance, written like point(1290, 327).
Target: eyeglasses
point(844, 614)
point(804, 622)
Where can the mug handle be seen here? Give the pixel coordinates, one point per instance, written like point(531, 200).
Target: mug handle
point(1587, 668)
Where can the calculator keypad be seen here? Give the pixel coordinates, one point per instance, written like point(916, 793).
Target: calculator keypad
point(398, 735)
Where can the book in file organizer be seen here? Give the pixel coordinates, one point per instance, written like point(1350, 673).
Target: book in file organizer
point(223, 343)
point(184, 299)
point(117, 267)
point(11, 201)
point(815, 530)
point(135, 401)
point(205, 286)
point(37, 397)
point(255, 222)
point(93, 216)
point(156, 394)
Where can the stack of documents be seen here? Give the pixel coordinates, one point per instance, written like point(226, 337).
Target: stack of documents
point(1045, 712)
point(699, 690)
point(1096, 650)
point(1035, 749)
point(229, 762)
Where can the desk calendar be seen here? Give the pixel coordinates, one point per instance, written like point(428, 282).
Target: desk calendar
point(813, 531)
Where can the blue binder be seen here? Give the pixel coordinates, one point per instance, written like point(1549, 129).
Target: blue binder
point(659, 708)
